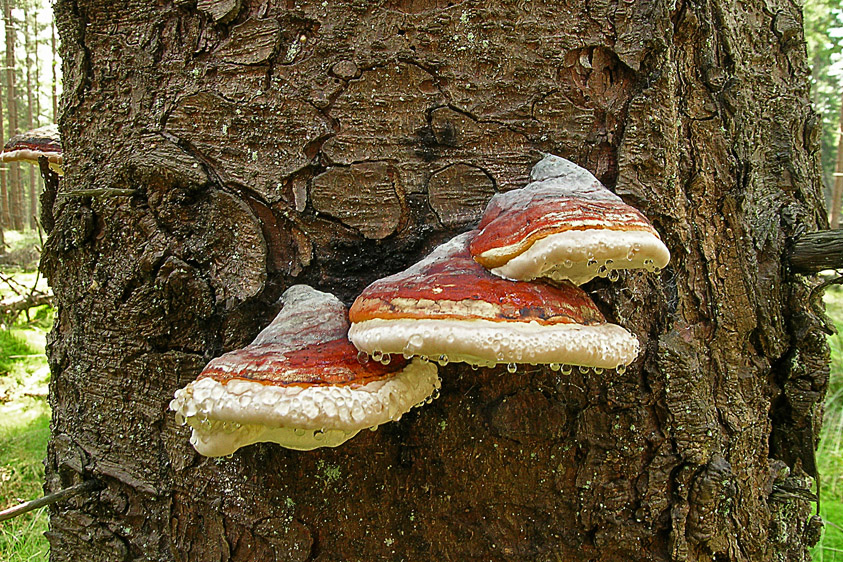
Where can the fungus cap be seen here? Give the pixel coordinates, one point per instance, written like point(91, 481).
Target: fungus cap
point(449, 305)
point(30, 145)
point(564, 225)
point(300, 385)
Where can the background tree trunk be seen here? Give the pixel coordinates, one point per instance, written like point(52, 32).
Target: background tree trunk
point(30, 33)
point(53, 63)
point(15, 188)
point(5, 221)
point(837, 193)
point(335, 143)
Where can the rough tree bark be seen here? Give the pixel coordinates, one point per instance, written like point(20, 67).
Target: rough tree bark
point(330, 143)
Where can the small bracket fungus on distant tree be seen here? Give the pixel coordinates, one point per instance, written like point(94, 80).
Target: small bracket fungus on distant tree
point(31, 145)
point(299, 384)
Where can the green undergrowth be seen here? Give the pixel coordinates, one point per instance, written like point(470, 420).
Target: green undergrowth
point(830, 451)
point(24, 427)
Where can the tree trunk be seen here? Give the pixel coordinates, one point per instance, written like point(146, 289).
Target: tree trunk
point(53, 63)
point(35, 206)
point(241, 127)
point(15, 188)
point(30, 120)
point(837, 193)
point(4, 199)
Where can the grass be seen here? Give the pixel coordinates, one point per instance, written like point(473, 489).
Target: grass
point(24, 427)
point(830, 451)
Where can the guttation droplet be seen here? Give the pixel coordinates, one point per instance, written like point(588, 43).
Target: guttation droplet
point(512, 367)
point(567, 369)
point(443, 360)
point(555, 366)
point(377, 355)
point(362, 357)
point(614, 275)
point(621, 369)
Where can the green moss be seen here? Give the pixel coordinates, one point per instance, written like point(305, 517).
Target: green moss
point(329, 472)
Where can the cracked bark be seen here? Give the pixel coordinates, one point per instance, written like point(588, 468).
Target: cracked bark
point(256, 145)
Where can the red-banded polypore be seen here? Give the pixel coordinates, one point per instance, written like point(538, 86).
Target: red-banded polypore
point(299, 384)
point(31, 145)
point(565, 225)
point(448, 307)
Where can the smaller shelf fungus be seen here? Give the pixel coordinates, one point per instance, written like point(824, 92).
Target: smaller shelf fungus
point(448, 307)
point(299, 384)
point(565, 224)
point(31, 145)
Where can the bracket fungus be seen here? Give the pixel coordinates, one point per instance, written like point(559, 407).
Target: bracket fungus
point(30, 145)
point(448, 307)
point(565, 224)
point(299, 384)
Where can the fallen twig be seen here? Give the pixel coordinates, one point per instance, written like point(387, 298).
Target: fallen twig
point(47, 500)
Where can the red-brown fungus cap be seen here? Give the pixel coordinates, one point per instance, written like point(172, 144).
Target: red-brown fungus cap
point(30, 145)
point(300, 384)
point(564, 225)
point(332, 363)
point(448, 305)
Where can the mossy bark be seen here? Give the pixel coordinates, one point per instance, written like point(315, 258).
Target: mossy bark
point(241, 147)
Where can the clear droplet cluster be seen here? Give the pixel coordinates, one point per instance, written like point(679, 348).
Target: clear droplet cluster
point(581, 255)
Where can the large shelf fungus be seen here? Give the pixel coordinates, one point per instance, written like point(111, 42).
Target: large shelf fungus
point(299, 384)
point(450, 308)
point(565, 224)
point(33, 144)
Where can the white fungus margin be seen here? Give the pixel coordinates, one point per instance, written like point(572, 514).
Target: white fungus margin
point(582, 255)
point(225, 417)
point(487, 343)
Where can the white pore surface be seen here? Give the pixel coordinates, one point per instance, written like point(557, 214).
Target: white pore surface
point(225, 417)
point(566, 255)
point(29, 155)
point(484, 342)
